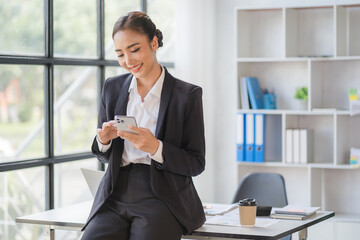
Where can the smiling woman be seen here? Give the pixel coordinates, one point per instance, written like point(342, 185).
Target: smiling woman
point(54, 59)
point(136, 41)
point(147, 191)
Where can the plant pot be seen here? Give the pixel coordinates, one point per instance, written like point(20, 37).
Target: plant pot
point(301, 105)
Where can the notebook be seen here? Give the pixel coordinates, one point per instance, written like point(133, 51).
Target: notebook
point(288, 216)
point(93, 178)
point(297, 210)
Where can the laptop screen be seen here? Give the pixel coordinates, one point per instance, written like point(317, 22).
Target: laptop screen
point(93, 178)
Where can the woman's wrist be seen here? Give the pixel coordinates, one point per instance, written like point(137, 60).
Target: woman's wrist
point(102, 141)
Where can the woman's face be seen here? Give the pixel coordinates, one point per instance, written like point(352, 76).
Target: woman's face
point(135, 53)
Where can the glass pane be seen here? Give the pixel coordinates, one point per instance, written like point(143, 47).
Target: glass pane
point(21, 193)
point(75, 28)
point(22, 27)
point(71, 188)
point(21, 112)
point(162, 13)
point(70, 184)
point(75, 110)
point(113, 10)
point(114, 71)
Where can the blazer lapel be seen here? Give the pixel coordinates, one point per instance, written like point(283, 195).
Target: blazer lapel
point(118, 144)
point(121, 104)
point(164, 101)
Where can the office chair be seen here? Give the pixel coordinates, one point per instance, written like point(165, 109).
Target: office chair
point(267, 188)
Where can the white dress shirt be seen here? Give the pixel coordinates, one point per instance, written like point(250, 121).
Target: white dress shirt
point(146, 115)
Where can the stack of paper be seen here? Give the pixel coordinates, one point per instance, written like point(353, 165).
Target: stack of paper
point(232, 217)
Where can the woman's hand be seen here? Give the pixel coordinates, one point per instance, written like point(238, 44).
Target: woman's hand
point(144, 140)
point(107, 132)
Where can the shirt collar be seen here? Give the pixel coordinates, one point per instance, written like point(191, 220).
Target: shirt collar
point(156, 89)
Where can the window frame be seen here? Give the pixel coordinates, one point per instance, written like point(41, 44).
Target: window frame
point(49, 62)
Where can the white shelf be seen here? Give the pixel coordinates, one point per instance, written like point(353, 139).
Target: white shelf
point(333, 166)
point(296, 112)
point(294, 165)
point(261, 59)
point(317, 47)
point(264, 111)
point(297, 59)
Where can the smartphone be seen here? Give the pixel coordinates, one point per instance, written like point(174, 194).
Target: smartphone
point(123, 122)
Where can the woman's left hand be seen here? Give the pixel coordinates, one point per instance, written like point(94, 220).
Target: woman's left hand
point(144, 140)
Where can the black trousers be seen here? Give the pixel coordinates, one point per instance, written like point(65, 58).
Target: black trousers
point(133, 212)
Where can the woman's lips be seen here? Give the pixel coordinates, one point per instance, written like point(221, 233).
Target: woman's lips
point(136, 68)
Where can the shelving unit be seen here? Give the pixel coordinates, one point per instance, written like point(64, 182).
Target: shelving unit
point(317, 47)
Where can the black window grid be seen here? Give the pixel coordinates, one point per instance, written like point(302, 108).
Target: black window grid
point(49, 61)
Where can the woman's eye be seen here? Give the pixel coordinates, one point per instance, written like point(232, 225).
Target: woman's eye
point(135, 50)
point(121, 55)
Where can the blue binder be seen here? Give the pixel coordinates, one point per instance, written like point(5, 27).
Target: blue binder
point(259, 137)
point(255, 93)
point(240, 137)
point(250, 135)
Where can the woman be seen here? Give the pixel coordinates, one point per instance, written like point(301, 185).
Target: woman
point(147, 191)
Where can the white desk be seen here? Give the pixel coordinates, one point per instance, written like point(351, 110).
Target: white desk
point(74, 217)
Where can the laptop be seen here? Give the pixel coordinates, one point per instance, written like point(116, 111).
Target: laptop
point(93, 178)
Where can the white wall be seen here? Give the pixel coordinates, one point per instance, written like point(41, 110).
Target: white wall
point(195, 60)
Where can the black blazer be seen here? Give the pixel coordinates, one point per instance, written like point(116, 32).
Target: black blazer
point(180, 127)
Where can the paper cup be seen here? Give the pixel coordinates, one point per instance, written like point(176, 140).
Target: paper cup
point(247, 215)
point(247, 210)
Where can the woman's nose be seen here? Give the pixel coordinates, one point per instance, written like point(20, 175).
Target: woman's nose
point(129, 61)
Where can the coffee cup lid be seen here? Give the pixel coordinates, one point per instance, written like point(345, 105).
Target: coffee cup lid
point(247, 202)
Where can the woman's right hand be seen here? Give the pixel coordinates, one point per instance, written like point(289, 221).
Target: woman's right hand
point(107, 132)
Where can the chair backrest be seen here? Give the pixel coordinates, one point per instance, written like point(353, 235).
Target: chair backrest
point(267, 188)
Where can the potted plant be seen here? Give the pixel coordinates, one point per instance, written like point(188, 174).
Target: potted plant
point(302, 95)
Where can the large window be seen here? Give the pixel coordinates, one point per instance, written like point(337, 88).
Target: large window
point(54, 58)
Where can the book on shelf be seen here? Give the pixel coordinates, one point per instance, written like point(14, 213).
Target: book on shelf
point(289, 146)
point(296, 145)
point(250, 139)
point(240, 137)
point(297, 210)
point(354, 156)
point(299, 146)
point(255, 93)
point(244, 94)
point(259, 137)
point(306, 145)
point(354, 99)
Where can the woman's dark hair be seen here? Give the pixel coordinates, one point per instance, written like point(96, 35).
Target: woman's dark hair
point(139, 22)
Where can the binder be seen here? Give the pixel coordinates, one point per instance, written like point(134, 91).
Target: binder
point(250, 135)
point(289, 146)
point(240, 137)
point(259, 137)
point(255, 93)
point(296, 145)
